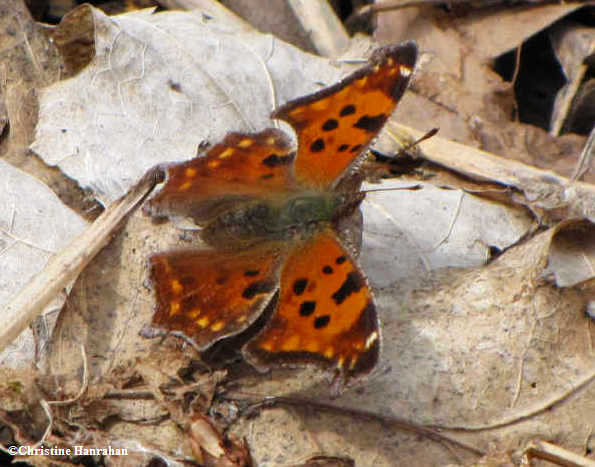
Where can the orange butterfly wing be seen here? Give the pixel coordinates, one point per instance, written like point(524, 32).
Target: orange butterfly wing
point(335, 125)
point(326, 313)
point(241, 166)
point(212, 294)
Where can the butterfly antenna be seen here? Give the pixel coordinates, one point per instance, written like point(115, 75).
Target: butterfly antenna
point(380, 157)
point(400, 188)
point(428, 135)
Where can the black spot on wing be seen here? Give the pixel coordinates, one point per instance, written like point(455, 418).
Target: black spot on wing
point(274, 160)
point(371, 124)
point(327, 269)
point(322, 321)
point(318, 145)
point(257, 288)
point(347, 110)
point(299, 286)
point(356, 148)
point(353, 283)
point(307, 308)
point(330, 124)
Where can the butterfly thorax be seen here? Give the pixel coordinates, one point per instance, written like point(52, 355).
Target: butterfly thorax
point(279, 219)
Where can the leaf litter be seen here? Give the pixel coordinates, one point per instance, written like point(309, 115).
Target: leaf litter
point(500, 355)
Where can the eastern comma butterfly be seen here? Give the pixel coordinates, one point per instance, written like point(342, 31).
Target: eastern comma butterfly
point(270, 214)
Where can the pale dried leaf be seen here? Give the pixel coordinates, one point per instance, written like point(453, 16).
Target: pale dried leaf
point(571, 258)
point(34, 224)
point(402, 241)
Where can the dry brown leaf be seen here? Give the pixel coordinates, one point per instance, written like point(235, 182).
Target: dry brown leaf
point(573, 45)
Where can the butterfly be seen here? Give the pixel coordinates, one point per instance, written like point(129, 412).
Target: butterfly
point(270, 215)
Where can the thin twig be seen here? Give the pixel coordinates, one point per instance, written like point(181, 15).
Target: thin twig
point(268, 402)
point(84, 384)
point(515, 75)
point(48, 429)
point(517, 391)
point(530, 412)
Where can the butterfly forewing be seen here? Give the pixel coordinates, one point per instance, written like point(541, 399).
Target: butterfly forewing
point(242, 166)
point(325, 313)
point(212, 294)
point(335, 125)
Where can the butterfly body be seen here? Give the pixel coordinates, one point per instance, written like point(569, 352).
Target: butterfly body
point(284, 218)
point(272, 217)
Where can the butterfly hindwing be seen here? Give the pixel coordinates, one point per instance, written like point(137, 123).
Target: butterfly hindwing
point(325, 312)
point(212, 294)
point(335, 125)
